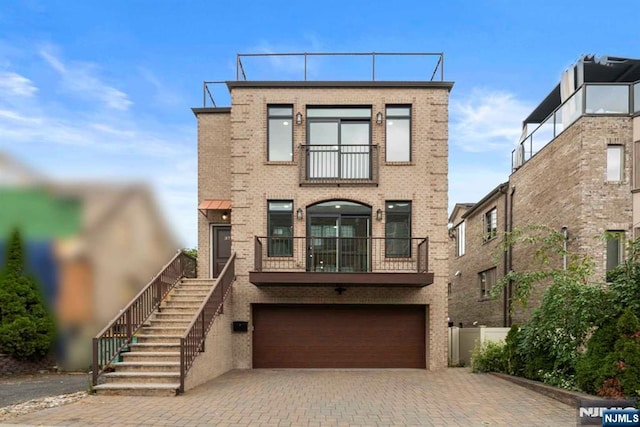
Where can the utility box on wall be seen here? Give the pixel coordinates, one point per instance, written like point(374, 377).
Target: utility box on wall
point(240, 326)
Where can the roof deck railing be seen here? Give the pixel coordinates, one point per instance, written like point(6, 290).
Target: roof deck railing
point(435, 74)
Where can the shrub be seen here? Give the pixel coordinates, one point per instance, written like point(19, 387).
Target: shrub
point(588, 376)
point(513, 358)
point(488, 357)
point(26, 327)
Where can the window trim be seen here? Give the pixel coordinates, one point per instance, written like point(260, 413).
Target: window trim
point(462, 225)
point(386, 216)
point(269, 237)
point(621, 249)
point(386, 137)
point(489, 234)
point(269, 118)
point(485, 295)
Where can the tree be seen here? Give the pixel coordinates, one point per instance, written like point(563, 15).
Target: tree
point(27, 329)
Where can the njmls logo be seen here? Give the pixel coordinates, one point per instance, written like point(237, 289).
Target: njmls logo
point(620, 413)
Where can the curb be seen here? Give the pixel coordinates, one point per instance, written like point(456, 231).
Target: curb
point(571, 398)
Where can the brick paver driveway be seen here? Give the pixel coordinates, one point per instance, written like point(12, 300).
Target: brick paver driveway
point(324, 397)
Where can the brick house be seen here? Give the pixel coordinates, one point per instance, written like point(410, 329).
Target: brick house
point(333, 196)
point(575, 170)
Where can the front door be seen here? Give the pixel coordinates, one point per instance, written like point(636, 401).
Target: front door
point(221, 249)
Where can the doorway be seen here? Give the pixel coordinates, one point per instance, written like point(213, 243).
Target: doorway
point(220, 248)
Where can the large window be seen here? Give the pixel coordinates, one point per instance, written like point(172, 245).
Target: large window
point(280, 139)
point(398, 122)
point(398, 229)
point(460, 231)
point(280, 228)
point(615, 156)
point(339, 142)
point(490, 224)
point(486, 279)
point(615, 249)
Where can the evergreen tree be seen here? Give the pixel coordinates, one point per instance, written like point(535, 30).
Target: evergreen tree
point(27, 329)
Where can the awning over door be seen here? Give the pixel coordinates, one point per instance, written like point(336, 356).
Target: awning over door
point(214, 205)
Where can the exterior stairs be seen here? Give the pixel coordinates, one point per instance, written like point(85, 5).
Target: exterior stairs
point(151, 367)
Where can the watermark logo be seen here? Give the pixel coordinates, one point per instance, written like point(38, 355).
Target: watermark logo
point(614, 412)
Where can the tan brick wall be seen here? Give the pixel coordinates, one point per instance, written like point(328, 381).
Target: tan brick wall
point(465, 304)
point(424, 182)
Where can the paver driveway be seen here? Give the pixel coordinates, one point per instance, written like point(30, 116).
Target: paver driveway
point(324, 397)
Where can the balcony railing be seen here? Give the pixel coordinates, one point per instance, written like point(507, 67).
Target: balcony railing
point(339, 164)
point(589, 99)
point(341, 254)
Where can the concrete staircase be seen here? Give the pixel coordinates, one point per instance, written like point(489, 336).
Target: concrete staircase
point(152, 366)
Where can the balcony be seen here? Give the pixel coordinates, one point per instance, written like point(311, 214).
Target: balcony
point(338, 165)
point(347, 261)
point(610, 99)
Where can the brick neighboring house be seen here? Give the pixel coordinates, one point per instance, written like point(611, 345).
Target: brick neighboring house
point(333, 196)
point(576, 166)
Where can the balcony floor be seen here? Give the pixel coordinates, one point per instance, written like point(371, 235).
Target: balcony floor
point(366, 279)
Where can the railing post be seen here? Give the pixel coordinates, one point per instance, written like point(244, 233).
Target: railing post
point(128, 322)
point(182, 364)
point(305, 66)
point(203, 337)
point(96, 366)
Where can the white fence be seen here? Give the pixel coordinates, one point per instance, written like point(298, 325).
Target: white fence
point(462, 341)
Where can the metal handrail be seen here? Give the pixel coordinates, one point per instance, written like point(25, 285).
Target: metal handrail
point(117, 335)
point(192, 342)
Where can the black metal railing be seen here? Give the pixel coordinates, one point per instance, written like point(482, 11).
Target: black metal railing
point(327, 164)
point(117, 335)
point(341, 254)
point(192, 342)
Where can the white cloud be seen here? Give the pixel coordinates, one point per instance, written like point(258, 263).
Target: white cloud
point(487, 120)
point(13, 84)
point(81, 80)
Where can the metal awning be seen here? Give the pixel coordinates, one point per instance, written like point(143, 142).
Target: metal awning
point(214, 205)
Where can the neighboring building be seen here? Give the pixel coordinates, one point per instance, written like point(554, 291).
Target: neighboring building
point(577, 166)
point(92, 247)
point(333, 195)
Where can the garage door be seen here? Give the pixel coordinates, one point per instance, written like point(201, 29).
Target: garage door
point(339, 336)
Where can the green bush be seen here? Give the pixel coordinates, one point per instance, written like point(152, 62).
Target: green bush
point(588, 375)
point(513, 358)
point(26, 327)
point(488, 357)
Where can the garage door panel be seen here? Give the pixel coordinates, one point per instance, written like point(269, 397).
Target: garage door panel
point(339, 336)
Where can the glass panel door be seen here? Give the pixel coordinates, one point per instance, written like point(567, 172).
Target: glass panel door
point(355, 156)
point(354, 244)
point(322, 244)
point(322, 160)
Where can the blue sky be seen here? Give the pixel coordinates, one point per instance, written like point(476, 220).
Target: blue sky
point(103, 90)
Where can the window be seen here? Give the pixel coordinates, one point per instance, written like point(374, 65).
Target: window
point(398, 122)
point(615, 249)
point(615, 163)
point(339, 142)
point(490, 224)
point(449, 290)
point(486, 279)
point(460, 238)
point(398, 229)
point(280, 133)
point(280, 228)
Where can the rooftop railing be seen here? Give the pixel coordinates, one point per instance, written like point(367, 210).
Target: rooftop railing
point(304, 64)
point(589, 99)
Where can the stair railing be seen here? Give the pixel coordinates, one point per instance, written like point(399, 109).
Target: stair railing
point(117, 335)
point(192, 342)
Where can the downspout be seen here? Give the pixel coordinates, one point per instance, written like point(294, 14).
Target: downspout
point(505, 304)
point(510, 252)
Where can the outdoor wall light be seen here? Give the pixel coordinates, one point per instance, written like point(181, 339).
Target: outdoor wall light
point(225, 216)
point(298, 118)
point(379, 118)
point(299, 213)
point(379, 214)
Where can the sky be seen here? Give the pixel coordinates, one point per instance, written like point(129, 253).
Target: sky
point(103, 90)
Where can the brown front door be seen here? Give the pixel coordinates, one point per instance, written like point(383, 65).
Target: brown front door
point(221, 248)
point(339, 336)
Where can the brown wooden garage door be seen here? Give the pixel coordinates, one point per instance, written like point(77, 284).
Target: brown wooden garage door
point(339, 336)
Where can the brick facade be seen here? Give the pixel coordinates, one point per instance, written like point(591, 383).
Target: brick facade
point(233, 165)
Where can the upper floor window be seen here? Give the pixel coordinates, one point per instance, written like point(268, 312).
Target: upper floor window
point(280, 228)
point(280, 133)
point(398, 129)
point(615, 156)
point(398, 229)
point(486, 279)
point(490, 224)
point(460, 231)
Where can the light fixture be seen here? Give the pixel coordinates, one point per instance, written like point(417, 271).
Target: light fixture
point(379, 118)
point(298, 118)
point(299, 213)
point(225, 216)
point(379, 214)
